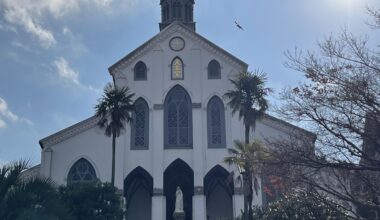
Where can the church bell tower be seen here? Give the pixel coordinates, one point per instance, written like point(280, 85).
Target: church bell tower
point(177, 10)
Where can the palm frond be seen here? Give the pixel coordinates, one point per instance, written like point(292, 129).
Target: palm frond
point(114, 108)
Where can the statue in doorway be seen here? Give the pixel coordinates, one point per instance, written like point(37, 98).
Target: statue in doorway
point(178, 200)
point(179, 214)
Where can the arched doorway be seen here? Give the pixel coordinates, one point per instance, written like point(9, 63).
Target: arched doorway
point(218, 188)
point(178, 173)
point(138, 191)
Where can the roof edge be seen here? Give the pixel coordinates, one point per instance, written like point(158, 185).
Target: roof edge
point(287, 124)
point(114, 66)
point(68, 132)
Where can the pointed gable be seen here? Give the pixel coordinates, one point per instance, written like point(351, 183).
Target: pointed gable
point(176, 27)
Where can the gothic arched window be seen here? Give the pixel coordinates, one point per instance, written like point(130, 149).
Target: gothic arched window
point(178, 129)
point(177, 68)
point(214, 70)
point(140, 71)
point(216, 131)
point(140, 125)
point(81, 172)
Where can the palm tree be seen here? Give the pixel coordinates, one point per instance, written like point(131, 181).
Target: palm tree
point(113, 109)
point(248, 98)
point(28, 198)
point(248, 158)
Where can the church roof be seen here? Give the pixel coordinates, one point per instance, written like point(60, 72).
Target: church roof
point(166, 33)
point(68, 132)
point(92, 122)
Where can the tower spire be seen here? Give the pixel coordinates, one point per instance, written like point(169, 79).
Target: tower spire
point(177, 10)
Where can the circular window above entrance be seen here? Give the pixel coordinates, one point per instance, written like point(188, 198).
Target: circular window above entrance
point(177, 43)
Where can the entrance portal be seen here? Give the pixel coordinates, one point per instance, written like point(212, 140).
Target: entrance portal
point(219, 188)
point(138, 191)
point(179, 174)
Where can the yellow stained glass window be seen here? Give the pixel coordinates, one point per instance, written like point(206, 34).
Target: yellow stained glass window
point(177, 68)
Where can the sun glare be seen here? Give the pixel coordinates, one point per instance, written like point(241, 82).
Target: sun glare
point(345, 4)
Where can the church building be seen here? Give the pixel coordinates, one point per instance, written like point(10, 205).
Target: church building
point(181, 130)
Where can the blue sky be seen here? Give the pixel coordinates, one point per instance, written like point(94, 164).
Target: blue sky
point(54, 54)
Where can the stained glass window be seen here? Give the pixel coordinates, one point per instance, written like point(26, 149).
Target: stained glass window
point(178, 119)
point(177, 68)
point(216, 123)
point(140, 71)
point(140, 125)
point(214, 70)
point(81, 172)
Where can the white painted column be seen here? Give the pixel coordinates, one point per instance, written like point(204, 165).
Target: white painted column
point(157, 157)
point(157, 73)
point(199, 207)
point(158, 199)
point(158, 206)
point(199, 199)
point(238, 204)
point(46, 156)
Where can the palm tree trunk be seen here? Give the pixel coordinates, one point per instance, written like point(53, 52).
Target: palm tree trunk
point(245, 180)
point(245, 214)
point(247, 134)
point(113, 159)
point(250, 199)
point(247, 186)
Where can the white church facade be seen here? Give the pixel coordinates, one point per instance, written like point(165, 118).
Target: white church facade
point(181, 130)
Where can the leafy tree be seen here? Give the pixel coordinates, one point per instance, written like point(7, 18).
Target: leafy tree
point(92, 201)
point(300, 205)
point(27, 199)
point(340, 103)
point(114, 109)
point(248, 158)
point(248, 98)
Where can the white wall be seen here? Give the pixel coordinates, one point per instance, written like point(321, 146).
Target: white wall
point(95, 147)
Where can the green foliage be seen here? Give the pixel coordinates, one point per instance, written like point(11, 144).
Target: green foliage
point(94, 201)
point(28, 199)
point(300, 206)
point(248, 96)
point(248, 158)
point(113, 109)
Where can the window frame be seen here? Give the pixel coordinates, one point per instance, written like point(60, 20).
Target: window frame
point(135, 78)
point(171, 69)
point(215, 100)
point(171, 94)
point(90, 169)
point(144, 104)
point(211, 76)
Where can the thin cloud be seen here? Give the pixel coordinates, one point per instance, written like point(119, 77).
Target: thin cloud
point(31, 14)
point(18, 15)
point(20, 45)
point(65, 72)
point(5, 112)
point(2, 124)
point(70, 76)
point(7, 115)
